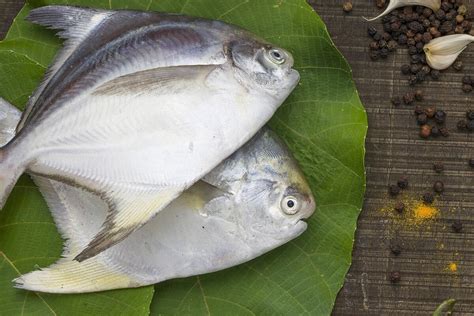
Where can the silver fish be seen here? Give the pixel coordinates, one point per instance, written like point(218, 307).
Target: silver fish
point(138, 106)
point(254, 201)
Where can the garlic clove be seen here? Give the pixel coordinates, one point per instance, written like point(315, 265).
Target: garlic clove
point(443, 51)
point(432, 4)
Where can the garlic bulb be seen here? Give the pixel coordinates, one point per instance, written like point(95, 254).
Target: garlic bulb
point(432, 4)
point(443, 51)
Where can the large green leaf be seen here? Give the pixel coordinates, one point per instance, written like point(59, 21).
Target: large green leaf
point(324, 123)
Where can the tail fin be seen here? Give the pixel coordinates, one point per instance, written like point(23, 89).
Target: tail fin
point(70, 276)
point(9, 118)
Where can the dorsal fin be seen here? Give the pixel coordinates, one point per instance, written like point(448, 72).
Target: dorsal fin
point(75, 25)
point(74, 22)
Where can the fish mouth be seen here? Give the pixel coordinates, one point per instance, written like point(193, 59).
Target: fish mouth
point(295, 74)
point(301, 225)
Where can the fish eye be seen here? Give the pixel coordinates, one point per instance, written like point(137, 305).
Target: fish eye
point(276, 56)
point(290, 205)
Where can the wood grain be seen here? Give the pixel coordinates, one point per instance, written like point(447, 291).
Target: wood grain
point(395, 150)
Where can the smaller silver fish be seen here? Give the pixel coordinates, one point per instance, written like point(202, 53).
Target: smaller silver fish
point(253, 202)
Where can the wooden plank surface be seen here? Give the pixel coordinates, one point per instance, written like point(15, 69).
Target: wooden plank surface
point(395, 150)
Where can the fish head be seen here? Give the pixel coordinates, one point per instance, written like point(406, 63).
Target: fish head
point(266, 66)
point(274, 199)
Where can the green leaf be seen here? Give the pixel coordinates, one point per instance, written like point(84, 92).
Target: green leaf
point(445, 308)
point(323, 122)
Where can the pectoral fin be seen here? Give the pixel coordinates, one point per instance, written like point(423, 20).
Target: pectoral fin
point(126, 214)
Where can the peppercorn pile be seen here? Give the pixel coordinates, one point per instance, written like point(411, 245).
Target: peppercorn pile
point(468, 124)
point(415, 26)
point(431, 122)
point(467, 84)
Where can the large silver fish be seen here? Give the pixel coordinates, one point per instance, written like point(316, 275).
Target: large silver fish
point(252, 202)
point(138, 106)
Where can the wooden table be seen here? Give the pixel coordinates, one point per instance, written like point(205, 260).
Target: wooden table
point(394, 149)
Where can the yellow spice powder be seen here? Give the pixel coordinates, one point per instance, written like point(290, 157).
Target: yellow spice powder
point(423, 212)
point(453, 267)
point(416, 213)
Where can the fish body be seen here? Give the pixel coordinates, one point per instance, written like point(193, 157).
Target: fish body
point(253, 202)
point(138, 106)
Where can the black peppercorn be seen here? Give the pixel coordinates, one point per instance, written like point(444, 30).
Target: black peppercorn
point(427, 12)
point(435, 131)
point(427, 37)
point(412, 80)
point(470, 126)
point(402, 183)
point(422, 119)
point(418, 110)
point(394, 277)
point(415, 68)
point(374, 45)
point(380, 3)
point(405, 69)
point(419, 47)
point(412, 50)
point(444, 131)
point(470, 115)
point(435, 74)
point(419, 95)
point(428, 197)
point(420, 76)
point(425, 131)
point(457, 226)
point(402, 39)
point(430, 112)
point(467, 80)
point(374, 55)
point(384, 52)
point(371, 30)
point(392, 45)
point(347, 6)
point(425, 69)
point(377, 36)
point(438, 187)
point(466, 88)
point(395, 248)
point(416, 27)
point(471, 163)
point(399, 207)
point(396, 101)
point(438, 167)
point(408, 98)
point(440, 14)
point(386, 36)
point(458, 65)
point(393, 189)
point(461, 125)
point(440, 117)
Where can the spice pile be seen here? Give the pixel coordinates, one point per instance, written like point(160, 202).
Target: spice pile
point(413, 212)
point(415, 26)
point(431, 122)
point(468, 124)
